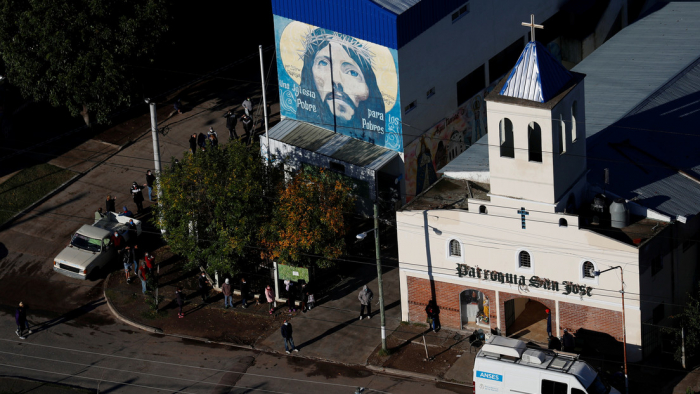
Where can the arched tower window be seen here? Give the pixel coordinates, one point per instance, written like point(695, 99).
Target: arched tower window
point(588, 270)
point(562, 135)
point(574, 116)
point(563, 223)
point(534, 142)
point(455, 248)
point(482, 209)
point(506, 137)
point(524, 260)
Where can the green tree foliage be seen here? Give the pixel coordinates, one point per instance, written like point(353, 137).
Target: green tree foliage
point(213, 205)
point(309, 219)
point(74, 53)
point(689, 319)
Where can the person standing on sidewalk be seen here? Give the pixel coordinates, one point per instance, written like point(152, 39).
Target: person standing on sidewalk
point(245, 290)
point(365, 298)
point(248, 106)
point(202, 140)
point(110, 204)
point(270, 296)
point(248, 128)
point(228, 294)
point(288, 340)
point(203, 284)
point(150, 178)
point(193, 143)
point(549, 322)
point(137, 195)
point(180, 299)
point(21, 320)
point(142, 276)
point(433, 313)
point(231, 121)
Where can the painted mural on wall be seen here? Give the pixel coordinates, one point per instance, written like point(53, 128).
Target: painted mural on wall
point(338, 82)
point(443, 142)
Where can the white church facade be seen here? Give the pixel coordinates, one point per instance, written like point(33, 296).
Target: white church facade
point(517, 225)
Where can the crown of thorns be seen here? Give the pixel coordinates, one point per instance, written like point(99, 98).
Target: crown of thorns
point(315, 38)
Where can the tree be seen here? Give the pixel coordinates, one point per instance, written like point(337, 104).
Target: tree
point(689, 320)
point(74, 53)
point(213, 205)
point(309, 219)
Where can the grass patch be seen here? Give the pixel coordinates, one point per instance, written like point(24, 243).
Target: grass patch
point(28, 186)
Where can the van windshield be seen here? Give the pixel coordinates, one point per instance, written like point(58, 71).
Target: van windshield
point(86, 243)
point(597, 387)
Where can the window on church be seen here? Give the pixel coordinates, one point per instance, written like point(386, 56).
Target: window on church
point(524, 259)
point(455, 248)
point(534, 142)
point(588, 270)
point(563, 223)
point(574, 115)
point(482, 209)
point(506, 136)
point(562, 136)
point(470, 85)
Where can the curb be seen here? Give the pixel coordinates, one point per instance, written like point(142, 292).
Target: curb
point(414, 375)
point(60, 188)
point(118, 315)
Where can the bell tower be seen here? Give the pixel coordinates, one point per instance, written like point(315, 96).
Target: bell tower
point(537, 135)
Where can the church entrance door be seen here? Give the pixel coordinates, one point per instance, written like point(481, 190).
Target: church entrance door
point(526, 319)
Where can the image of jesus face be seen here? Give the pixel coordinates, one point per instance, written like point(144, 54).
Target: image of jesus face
point(350, 86)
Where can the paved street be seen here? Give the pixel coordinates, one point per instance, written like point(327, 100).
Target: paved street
point(92, 351)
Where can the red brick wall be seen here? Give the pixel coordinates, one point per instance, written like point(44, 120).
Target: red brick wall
point(503, 297)
point(447, 298)
point(575, 316)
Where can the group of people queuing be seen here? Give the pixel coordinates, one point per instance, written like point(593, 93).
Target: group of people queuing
point(202, 142)
point(143, 262)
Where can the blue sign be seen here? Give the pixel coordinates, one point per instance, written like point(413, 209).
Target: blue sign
point(489, 376)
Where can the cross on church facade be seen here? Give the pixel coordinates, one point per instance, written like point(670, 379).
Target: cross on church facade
point(522, 212)
point(532, 27)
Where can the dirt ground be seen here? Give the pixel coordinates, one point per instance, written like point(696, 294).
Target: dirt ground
point(411, 357)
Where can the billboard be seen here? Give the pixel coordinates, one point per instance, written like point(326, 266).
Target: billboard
point(442, 143)
point(338, 82)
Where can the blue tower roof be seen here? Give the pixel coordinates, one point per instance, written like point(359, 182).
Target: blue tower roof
point(537, 76)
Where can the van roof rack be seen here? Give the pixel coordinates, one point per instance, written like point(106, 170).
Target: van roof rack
point(517, 351)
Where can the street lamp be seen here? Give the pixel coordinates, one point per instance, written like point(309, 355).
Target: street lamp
point(362, 236)
point(624, 331)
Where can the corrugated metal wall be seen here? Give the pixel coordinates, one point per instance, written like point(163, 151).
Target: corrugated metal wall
point(422, 16)
point(366, 20)
point(358, 18)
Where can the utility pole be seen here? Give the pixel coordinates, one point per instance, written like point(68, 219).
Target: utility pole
point(379, 275)
point(624, 328)
point(154, 136)
point(262, 77)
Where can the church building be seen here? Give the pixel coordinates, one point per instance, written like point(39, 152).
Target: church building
point(587, 184)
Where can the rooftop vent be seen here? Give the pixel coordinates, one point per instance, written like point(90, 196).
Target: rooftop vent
point(619, 215)
point(533, 356)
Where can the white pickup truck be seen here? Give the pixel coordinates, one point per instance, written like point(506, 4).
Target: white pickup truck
point(91, 248)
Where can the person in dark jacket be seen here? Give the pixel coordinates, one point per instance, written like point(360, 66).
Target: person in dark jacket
point(245, 293)
point(110, 204)
point(228, 294)
point(231, 122)
point(180, 299)
point(137, 195)
point(247, 127)
point(433, 312)
point(203, 284)
point(178, 106)
point(193, 143)
point(202, 140)
point(150, 179)
point(287, 335)
point(213, 141)
point(126, 212)
point(569, 343)
point(21, 320)
point(553, 343)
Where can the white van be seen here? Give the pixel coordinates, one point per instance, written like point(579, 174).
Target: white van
point(505, 365)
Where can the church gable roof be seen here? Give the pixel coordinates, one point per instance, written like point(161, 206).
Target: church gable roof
point(537, 75)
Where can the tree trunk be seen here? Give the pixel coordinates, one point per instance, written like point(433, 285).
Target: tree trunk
point(86, 115)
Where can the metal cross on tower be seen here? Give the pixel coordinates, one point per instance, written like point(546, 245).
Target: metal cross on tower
point(522, 212)
point(532, 27)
